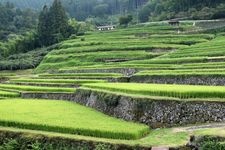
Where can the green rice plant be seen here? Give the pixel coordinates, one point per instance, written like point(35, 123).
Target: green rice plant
point(81, 76)
point(66, 117)
point(185, 72)
point(23, 88)
point(131, 44)
point(167, 90)
point(210, 49)
point(8, 94)
point(69, 81)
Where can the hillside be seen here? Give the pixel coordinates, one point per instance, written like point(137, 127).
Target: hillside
point(190, 9)
point(121, 89)
point(99, 10)
point(139, 47)
point(33, 4)
point(107, 11)
point(88, 75)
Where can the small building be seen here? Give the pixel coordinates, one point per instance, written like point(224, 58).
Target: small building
point(174, 22)
point(106, 28)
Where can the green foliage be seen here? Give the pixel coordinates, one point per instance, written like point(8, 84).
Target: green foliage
point(101, 9)
point(10, 144)
point(125, 20)
point(212, 146)
point(16, 30)
point(53, 24)
point(186, 9)
point(15, 21)
point(26, 60)
point(76, 119)
point(103, 147)
point(211, 143)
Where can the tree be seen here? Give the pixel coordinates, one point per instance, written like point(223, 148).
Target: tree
point(58, 18)
point(53, 24)
point(144, 13)
point(101, 10)
point(125, 20)
point(44, 27)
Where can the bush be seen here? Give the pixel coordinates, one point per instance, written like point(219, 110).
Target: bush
point(73, 36)
point(213, 146)
point(10, 144)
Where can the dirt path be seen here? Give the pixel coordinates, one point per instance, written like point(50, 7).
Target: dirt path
point(198, 127)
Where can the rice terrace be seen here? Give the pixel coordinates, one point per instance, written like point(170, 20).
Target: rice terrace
point(137, 85)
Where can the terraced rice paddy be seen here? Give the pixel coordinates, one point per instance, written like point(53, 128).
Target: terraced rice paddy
point(24, 88)
point(179, 91)
point(76, 119)
point(71, 81)
point(81, 76)
point(112, 48)
point(98, 62)
point(8, 94)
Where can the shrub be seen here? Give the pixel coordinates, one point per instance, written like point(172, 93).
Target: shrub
point(212, 145)
point(125, 20)
point(82, 39)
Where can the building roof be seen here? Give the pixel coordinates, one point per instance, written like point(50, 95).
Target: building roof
point(108, 26)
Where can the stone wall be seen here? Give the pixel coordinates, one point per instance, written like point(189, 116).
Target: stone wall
point(3, 79)
point(125, 71)
point(155, 113)
point(194, 80)
point(26, 139)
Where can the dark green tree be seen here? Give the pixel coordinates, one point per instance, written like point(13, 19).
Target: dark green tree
point(44, 27)
point(53, 24)
point(125, 20)
point(58, 21)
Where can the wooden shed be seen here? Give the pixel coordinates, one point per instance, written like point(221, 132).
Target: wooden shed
point(174, 22)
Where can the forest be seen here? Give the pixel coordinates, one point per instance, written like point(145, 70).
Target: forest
point(97, 11)
point(156, 10)
point(108, 11)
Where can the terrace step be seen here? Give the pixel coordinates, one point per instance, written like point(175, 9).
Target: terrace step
point(124, 71)
point(160, 148)
point(147, 110)
point(199, 127)
point(45, 84)
point(186, 79)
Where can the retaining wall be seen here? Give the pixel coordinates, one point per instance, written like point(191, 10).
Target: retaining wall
point(193, 80)
point(155, 113)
